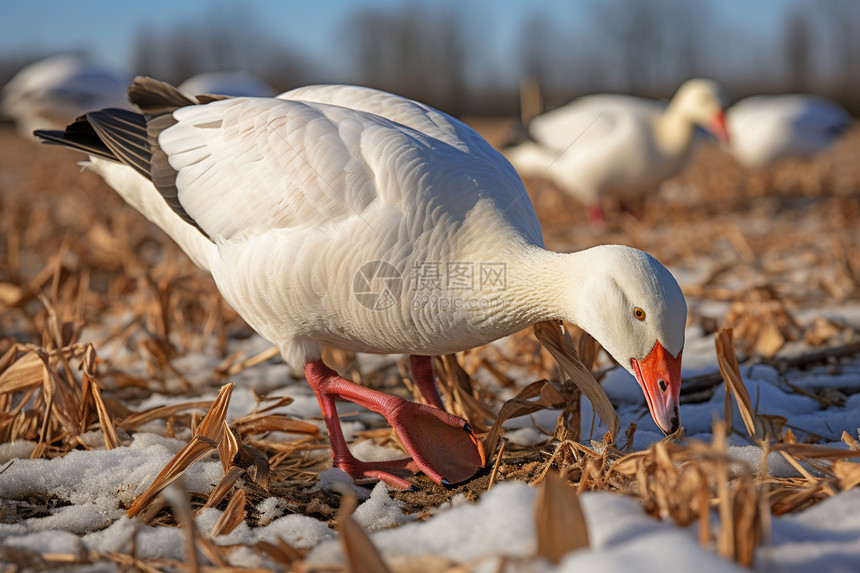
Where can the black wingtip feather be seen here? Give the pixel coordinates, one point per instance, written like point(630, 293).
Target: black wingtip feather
point(131, 138)
point(115, 134)
point(124, 133)
point(49, 135)
point(78, 136)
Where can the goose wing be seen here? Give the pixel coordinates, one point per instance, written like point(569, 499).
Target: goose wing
point(240, 167)
point(589, 120)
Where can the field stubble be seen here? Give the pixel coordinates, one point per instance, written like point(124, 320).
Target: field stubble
point(755, 251)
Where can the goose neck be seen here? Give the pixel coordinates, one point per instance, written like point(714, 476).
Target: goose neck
point(540, 282)
point(673, 130)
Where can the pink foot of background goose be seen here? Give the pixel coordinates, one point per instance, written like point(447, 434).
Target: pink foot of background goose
point(617, 145)
point(290, 202)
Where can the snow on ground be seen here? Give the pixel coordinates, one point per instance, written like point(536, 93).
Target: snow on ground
point(620, 534)
point(91, 486)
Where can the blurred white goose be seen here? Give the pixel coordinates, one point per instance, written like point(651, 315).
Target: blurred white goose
point(768, 128)
point(618, 145)
point(234, 84)
point(336, 215)
point(51, 93)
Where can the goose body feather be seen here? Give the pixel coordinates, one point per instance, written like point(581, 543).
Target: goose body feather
point(768, 128)
point(616, 145)
point(349, 217)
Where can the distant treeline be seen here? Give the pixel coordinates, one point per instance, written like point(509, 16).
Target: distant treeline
point(432, 52)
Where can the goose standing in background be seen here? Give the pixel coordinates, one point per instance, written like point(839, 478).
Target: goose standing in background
point(768, 128)
point(51, 93)
point(318, 212)
point(234, 84)
point(616, 145)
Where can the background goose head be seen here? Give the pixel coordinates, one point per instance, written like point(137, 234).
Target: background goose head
point(702, 102)
point(637, 312)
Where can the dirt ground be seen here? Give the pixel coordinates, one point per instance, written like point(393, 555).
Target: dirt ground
point(786, 238)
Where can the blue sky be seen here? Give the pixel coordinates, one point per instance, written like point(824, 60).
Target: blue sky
point(106, 29)
point(740, 42)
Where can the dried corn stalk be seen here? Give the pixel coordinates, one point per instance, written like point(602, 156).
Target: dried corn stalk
point(560, 345)
point(730, 371)
point(51, 407)
point(361, 555)
point(232, 365)
point(684, 481)
point(233, 515)
point(761, 321)
point(521, 405)
point(207, 436)
point(460, 394)
point(559, 519)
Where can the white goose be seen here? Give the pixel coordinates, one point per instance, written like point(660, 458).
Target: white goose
point(618, 145)
point(234, 84)
point(51, 93)
point(337, 215)
point(768, 128)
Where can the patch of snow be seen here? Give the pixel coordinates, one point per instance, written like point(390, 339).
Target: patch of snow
point(300, 531)
point(269, 509)
point(245, 558)
point(526, 436)
point(335, 479)
point(825, 537)
point(80, 518)
point(370, 451)
point(17, 449)
point(777, 465)
point(621, 388)
point(47, 542)
point(502, 523)
point(115, 538)
point(380, 511)
point(101, 480)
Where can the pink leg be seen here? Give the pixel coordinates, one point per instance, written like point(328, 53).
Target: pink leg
point(595, 215)
point(422, 373)
point(441, 445)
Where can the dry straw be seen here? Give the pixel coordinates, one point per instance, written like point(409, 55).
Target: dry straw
point(207, 437)
point(361, 555)
point(559, 519)
point(55, 388)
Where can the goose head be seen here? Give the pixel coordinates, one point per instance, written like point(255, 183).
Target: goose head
point(637, 312)
point(702, 102)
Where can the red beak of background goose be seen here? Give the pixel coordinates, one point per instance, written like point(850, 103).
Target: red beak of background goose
point(718, 127)
point(659, 375)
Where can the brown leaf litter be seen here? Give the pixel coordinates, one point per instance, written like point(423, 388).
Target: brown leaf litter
point(112, 268)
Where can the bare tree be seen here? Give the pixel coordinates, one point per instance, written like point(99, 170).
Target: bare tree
point(229, 39)
point(147, 52)
point(536, 42)
point(412, 51)
point(799, 42)
point(841, 19)
point(655, 44)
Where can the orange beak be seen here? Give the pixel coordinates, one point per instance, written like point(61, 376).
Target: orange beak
point(659, 375)
point(718, 127)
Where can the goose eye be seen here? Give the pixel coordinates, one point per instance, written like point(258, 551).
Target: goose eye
point(639, 313)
